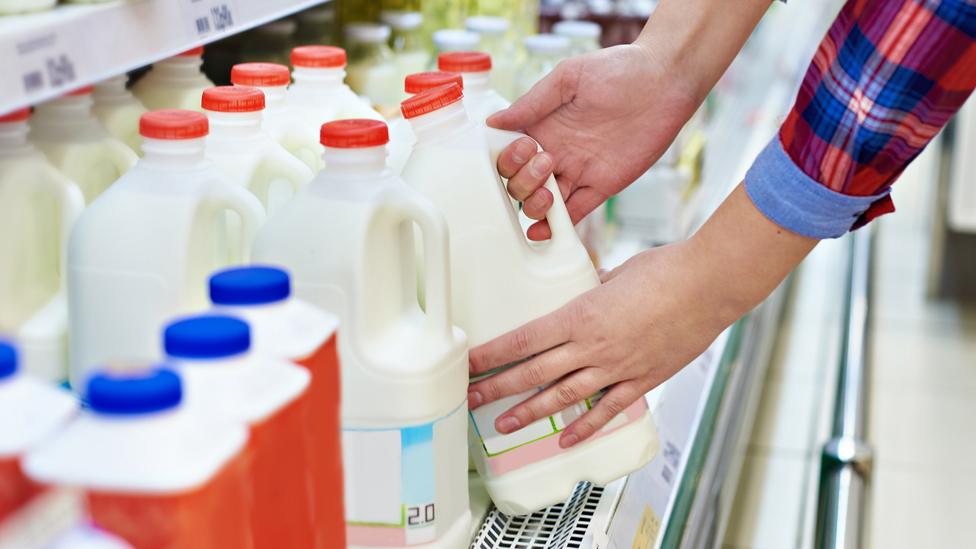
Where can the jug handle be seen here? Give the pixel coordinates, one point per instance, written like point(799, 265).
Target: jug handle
point(407, 207)
point(561, 225)
point(225, 196)
point(72, 203)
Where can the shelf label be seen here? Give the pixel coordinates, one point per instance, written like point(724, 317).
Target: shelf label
point(45, 63)
point(208, 17)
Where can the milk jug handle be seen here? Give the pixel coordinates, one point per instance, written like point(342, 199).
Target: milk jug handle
point(220, 197)
point(72, 203)
point(561, 225)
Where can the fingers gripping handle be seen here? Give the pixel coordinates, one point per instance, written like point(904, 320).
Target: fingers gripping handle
point(222, 197)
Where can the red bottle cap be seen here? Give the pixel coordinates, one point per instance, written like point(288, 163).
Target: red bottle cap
point(318, 57)
point(355, 133)
point(464, 61)
point(191, 52)
point(431, 100)
point(173, 124)
point(232, 99)
point(423, 81)
point(18, 115)
point(260, 74)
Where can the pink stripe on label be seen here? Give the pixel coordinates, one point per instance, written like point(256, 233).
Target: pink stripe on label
point(376, 536)
point(548, 447)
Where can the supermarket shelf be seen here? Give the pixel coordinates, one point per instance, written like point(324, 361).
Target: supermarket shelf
point(46, 54)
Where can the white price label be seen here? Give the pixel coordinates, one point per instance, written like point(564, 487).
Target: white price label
point(45, 63)
point(209, 17)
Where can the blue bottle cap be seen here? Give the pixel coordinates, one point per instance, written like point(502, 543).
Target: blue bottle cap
point(249, 286)
point(132, 393)
point(8, 360)
point(207, 337)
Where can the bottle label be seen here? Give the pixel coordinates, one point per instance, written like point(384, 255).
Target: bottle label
point(391, 481)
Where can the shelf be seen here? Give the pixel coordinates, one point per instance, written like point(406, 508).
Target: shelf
point(46, 54)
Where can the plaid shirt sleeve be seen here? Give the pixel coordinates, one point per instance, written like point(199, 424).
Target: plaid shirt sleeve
point(886, 78)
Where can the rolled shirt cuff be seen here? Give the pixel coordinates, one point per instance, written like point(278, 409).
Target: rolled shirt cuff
point(795, 201)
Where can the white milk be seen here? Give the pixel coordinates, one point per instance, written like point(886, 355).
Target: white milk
point(545, 51)
point(480, 98)
point(138, 453)
point(10, 7)
point(496, 41)
point(30, 412)
point(279, 119)
point(74, 141)
point(403, 369)
point(372, 72)
point(500, 282)
point(174, 83)
point(401, 134)
point(119, 111)
point(38, 208)
point(167, 208)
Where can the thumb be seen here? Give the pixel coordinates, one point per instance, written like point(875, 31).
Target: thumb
point(544, 98)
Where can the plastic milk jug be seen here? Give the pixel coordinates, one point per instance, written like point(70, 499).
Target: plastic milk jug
point(319, 93)
point(372, 72)
point(446, 40)
point(122, 290)
point(291, 329)
point(279, 119)
point(38, 208)
point(496, 41)
point(67, 132)
point(174, 83)
point(30, 412)
point(501, 282)
point(401, 134)
point(584, 36)
point(246, 154)
point(223, 379)
point(119, 111)
point(154, 473)
point(480, 98)
point(409, 45)
point(348, 241)
point(545, 51)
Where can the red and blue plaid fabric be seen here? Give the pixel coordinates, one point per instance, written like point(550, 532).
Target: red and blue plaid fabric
point(886, 78)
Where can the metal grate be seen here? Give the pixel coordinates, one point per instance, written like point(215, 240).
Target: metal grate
point(562, 526)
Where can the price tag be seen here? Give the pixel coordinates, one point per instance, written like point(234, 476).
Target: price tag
point(45, 62)
point(208, 17)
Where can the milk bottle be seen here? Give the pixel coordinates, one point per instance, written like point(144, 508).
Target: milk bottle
point(154, 473)
point(544, 53)
point(30, 412)
point(167, 207)
point(446, 40)
point(501, 282)
point(246, 155)
point(222, 378)
point(73, 140)
point(291, 329)
point(409, 47)
point(174, 83)
point(401, 134)
point(38, 208)
point(279, 119)
point(372, 72)
point(584, 36)
point(119, 111)
point(496, 42)
point(480, 98)
point(403, 368)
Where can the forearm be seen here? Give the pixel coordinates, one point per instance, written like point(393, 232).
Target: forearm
point(700, 38)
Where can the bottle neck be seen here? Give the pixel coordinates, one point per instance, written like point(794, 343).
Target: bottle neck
point(318, 78)
point(72, 109)
point(274, 97)
point(441, 122)
point(369, 161)
point(179, 68)
point(13, 138)
point(112, 90)
point(172, 152)
point(476, 82)
point(234, 125)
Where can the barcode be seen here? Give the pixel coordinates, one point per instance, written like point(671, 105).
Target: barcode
point(33, 81)
point(672, 454)
point(60, 70)
point(222, 17)
point(203, 25)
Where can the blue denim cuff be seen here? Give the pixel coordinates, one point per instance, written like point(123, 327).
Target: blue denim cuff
point(795, 201)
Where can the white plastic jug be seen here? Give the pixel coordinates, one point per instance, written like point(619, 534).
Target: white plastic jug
point(446, 40)
point(246, 154)
point(174, 83)
point(409, 45)
point(30, 412)
point(501, 282)
point(372, 71)
point(119, 111)
point(348, 241)
point(142, 252)
point(279, 119)
point(154, 473)
point(480, 98)
point(497, 41)
point(584, 36)
point(401, 134)
point(223, 379)
point(67, 132)
point(291, 329)
point(38, 208)
point(319, 92)
point(545, 51)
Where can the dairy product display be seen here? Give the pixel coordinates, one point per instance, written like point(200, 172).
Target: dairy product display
point(481, 100)
point(372, 72)
point(67, 132)
point(174, 83)
point(500, 282)
point(401, 134)
point(544, 53)
point(497, 42)
point(224, 380)
point(584, 36)
point(140, 454)
point(409, 47)
point(122, 290)
point(119, 111)
point(404, 370)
